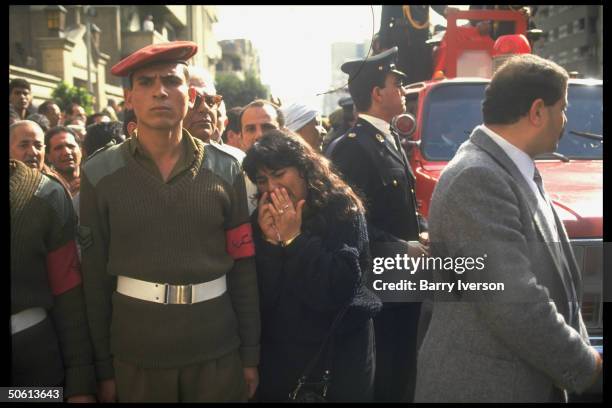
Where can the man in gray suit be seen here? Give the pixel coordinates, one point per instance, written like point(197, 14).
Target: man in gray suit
point(527, 342)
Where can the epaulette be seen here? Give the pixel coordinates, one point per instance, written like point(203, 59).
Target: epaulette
point(103, 148)
point(103, 162)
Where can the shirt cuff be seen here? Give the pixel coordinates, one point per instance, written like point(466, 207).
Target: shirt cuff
point(105, 370)
point(249, 356)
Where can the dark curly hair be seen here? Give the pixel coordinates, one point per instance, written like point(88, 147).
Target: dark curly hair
point(278, 149)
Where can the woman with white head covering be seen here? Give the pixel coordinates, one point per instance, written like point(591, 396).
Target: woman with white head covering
point(305, 121)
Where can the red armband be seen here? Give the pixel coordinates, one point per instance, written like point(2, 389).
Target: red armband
point(63, 268)
point(239, 241)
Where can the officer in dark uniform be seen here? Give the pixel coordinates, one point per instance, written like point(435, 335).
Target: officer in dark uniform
point(407, 27)
point(371, 160)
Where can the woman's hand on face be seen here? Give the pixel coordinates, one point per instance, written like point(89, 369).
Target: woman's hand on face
point(266, 219)
point(287, 217)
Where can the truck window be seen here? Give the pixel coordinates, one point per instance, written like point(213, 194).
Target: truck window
point(452, 111)
point(584, 115)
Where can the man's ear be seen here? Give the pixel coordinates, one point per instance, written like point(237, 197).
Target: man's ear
point(537, 112)
point(192, 96)
point(376, 94)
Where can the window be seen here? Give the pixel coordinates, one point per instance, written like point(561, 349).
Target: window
point(581, 24)
point(585, 50)
point(592, 25)
point(570, 28)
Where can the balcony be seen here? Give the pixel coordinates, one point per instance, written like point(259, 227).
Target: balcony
point(133, 41)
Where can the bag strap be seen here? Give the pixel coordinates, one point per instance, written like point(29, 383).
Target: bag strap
point(326, 340)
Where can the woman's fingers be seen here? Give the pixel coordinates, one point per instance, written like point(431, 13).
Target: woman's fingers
point(275, 195)
point(287, 204)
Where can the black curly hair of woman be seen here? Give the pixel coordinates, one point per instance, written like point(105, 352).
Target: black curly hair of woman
point(278, 149)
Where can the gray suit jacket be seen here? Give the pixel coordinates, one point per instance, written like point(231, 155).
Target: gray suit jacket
point(526, 343)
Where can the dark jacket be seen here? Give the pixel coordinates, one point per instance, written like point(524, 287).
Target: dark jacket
point(302, 288)
point(382, 175)
point(383, 178)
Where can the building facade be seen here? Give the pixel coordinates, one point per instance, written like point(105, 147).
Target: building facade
point(340, 53)
point(53, 45)
point(573, 37)
point(239, 57)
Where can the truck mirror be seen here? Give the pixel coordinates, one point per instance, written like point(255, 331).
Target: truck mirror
point(404, 124)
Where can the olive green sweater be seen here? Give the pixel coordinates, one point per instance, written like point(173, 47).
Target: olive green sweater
point(45, 273)
point(134, 224)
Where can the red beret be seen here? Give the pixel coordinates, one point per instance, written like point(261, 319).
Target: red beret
point(175, 51)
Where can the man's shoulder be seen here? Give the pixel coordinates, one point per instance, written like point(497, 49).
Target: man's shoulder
point(221, 162)
point(467, 171)
point(357, 137)
point(231, 150)
point(473, 159)
point(104, 162)
point(53, 193)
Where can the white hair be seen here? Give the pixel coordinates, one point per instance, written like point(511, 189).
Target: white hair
point(199, 77)
point(35, 126)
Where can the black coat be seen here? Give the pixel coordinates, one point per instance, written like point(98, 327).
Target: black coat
point(382, 176)
point(302, 288)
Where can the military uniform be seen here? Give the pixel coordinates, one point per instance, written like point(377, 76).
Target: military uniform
point(372, 162)
point(407, 27)
point(168, 267)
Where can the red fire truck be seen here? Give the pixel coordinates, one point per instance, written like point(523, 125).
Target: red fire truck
point(445, 109)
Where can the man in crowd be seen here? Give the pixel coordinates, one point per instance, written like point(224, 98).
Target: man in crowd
point(75, 115)
point(372, 162)
point(27, 144)
point(50, 343)
point(527, 342)
point(168, 267)
point(41, 120)
point(306, 122)
point(256, 118)
point(98, 117)
point(100, 135)
point(231, 134)
point(20, 97)
point(111, 110)
point(64, 155)
point(51, 111)
point(221, 119)
point(201, 120)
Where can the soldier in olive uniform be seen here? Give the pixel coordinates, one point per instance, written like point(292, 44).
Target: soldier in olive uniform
point(168, 255)
point(372, 162)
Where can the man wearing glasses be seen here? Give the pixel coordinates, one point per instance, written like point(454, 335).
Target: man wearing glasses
point(168, 258)
point(201, 119)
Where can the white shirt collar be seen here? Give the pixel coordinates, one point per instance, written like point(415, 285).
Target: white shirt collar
point(378, 123)
point(526, 166)
point(521, 159)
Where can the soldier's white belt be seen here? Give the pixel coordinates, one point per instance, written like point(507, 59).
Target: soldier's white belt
point(171, 294)
point(27, 318)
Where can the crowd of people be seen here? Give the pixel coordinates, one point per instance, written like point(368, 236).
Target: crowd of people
point(177, 252)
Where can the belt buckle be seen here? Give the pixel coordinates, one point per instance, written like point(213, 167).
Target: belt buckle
point(178, 294)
